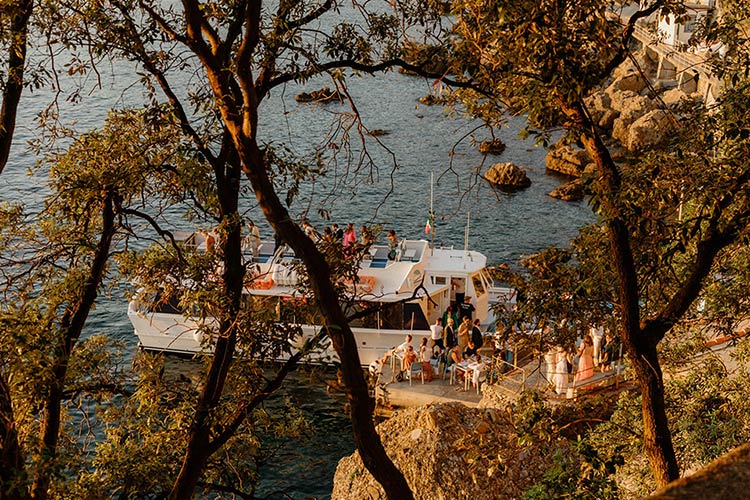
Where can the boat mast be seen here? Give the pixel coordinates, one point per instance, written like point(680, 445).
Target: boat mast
point(466, 232)
point(432, 216)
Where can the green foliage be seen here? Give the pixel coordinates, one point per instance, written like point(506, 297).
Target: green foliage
point(580, 471)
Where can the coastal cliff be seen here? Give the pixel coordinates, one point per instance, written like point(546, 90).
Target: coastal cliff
point(450, 451)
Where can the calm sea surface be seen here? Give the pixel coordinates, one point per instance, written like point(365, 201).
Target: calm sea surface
point(421, 140)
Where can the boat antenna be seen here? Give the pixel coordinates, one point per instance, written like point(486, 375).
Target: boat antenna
point(466, 232)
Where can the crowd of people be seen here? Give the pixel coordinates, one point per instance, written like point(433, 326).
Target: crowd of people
point(598, 351)
point(446, 347)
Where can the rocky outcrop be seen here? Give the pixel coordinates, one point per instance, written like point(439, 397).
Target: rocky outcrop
point(567, 160)
point(725, 477)
point(493, 147)
point(323, 95)
point(630, 81)
point(649, 130)
point(572, 191)
point(450, 451)
point(674, 97)
point(507, 177)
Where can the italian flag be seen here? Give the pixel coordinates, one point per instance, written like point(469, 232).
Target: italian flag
point(428, 226)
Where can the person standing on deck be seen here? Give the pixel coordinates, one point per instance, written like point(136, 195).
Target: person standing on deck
point(449, 334)
point(448, 314)
point(338, 233)
point(476, 334)
point(252, 240)
point(463, 333)
point(466, 309)
point(437, 334)
point(392, 244)
point(350, 239)
point(597, 335)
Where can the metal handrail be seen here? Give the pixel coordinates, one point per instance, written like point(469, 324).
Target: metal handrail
point(501, 362)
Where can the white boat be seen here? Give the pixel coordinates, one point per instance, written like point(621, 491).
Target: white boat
point(389, 281)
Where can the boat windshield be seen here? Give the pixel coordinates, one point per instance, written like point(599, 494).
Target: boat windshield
point(476, 280)
point(389, 316)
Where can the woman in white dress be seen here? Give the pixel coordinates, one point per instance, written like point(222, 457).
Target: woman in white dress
point(561, 372)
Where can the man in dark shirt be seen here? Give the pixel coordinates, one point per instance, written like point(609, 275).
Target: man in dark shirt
point(471, 350)
point(466, 309)
point(476, 334)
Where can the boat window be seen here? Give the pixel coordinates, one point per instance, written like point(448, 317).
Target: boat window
point(476, 280)
point(391, 317)
point(166, 305)
point(414, 318)
point(439, 280)
point(368, 321)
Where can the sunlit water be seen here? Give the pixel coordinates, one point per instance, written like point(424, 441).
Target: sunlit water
point(422, 140)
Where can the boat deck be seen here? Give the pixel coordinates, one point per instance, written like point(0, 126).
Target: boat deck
point(510, 386)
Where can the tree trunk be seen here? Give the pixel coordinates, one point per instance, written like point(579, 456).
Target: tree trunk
point(11, 458)
point(199, 447)
point(657, 439)
point(639, 344)
point(70, 329)
point(366, 438)
point(14, 83)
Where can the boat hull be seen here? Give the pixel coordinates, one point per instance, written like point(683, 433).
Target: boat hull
point(176, 334)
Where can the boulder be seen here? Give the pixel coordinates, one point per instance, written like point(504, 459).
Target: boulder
point(607, 119)
point(674, 97)
point(726, 477)
point(450, 451)
point(507, 177)
point(567, 160)
point(649, 130)
point(631, 109)
point(619, 98)
point(428, 100)
point(598, 104)
point(377, 132)
point(493, 147)
point(632, 82)
point(572, 191)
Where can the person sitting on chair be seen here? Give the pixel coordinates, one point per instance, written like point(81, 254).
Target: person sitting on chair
point(470, 350)
point(399, 348)
point(476, 369)
point(409, 357)
point(425, 354)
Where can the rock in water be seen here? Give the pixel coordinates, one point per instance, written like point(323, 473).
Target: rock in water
point(567, 160)
point(572, 191)
point(450, 451)
point(323, 95)
point(493, 147)
point(507, 177)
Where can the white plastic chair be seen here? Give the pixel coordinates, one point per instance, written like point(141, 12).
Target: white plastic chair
point(414, 369)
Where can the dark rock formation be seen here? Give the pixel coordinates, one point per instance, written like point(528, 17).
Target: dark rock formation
point(572, 191)
point(493, 147)
point(323, 95)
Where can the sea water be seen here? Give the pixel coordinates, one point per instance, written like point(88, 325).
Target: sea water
point(395, 191)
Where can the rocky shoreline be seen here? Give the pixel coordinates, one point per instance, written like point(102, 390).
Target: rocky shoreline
point(634, 111)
